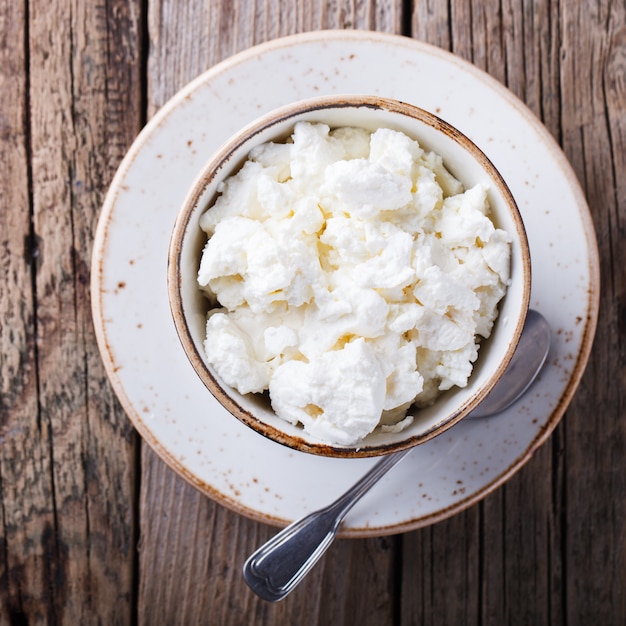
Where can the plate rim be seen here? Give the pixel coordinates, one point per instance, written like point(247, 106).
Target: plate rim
point(319, 37)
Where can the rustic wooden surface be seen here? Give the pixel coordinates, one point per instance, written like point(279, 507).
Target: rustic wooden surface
point(94, 527)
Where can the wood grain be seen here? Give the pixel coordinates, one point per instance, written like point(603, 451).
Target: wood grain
point(217, 29)
point(593, 66)
point(68, 450)
point(94, 528)
point(25, 484)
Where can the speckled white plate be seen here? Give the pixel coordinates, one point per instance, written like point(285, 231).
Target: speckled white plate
point(157, 386)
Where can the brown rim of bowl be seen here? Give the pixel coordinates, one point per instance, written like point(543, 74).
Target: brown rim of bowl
point(212, 168)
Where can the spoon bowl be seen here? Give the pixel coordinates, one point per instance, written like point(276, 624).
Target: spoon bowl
point(526, 363)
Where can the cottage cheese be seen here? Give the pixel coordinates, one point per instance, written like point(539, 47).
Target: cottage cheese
point(352, 276)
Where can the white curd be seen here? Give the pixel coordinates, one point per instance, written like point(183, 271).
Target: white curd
point(352, 276)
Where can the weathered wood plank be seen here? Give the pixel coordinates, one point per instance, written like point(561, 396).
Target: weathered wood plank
point(25, 483)
point(214, 30)
point(68, 455)
point(593, 85)
point(430, 22)
point(522, 561)
point(441, 573)
point(212, 579)
point(538, 550)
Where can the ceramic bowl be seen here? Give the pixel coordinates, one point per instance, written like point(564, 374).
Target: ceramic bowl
point(461, 157)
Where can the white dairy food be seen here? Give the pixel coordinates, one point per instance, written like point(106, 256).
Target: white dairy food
point(352, 276)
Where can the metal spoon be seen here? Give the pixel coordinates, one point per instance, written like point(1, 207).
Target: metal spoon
point(279, 565)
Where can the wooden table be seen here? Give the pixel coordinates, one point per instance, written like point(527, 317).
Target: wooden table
point(94, 527)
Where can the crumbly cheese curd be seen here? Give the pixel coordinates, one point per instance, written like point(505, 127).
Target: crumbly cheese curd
point(351, 276)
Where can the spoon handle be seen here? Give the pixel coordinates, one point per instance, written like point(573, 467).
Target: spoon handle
point(281, 563)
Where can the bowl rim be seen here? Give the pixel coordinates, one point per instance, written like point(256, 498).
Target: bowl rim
point(212, 168)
